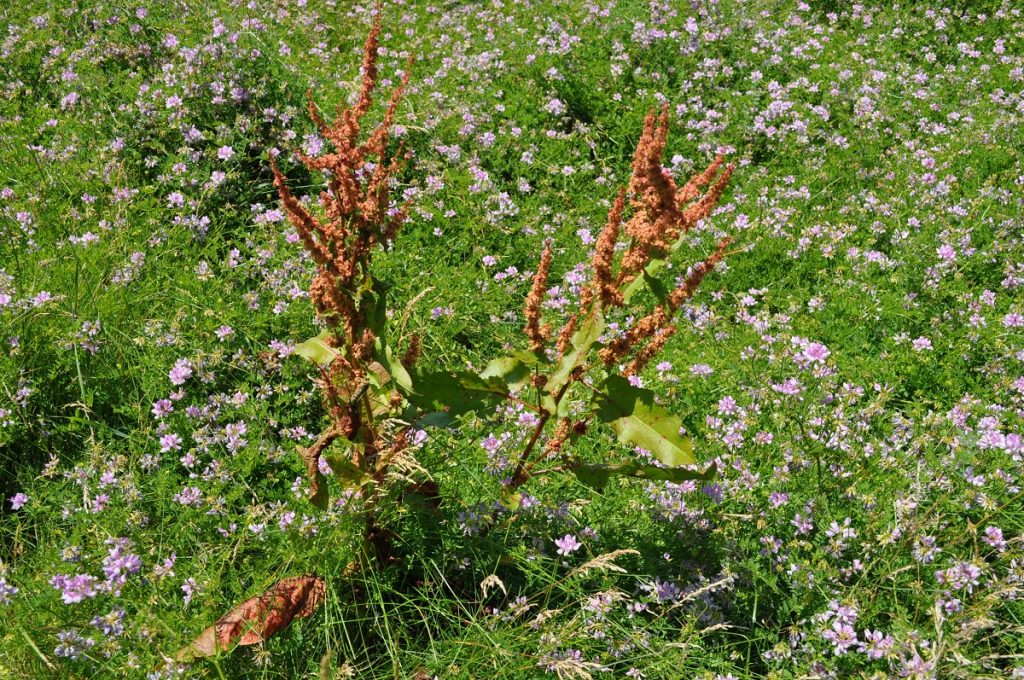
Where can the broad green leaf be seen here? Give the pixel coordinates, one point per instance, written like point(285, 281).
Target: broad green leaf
point(558, 410)
point(656, 286)
point(373, 305)
point(452, 393)
point(637, 283)
point(347, 473)
point(385, 355)
point(533, 359)
point(513, 371)
point(637, 420)
point(432, 419)
point(580, 343)
point(472, 381)
point(597, 476)
point(316, 349)
point(378, 375)
point(510, 370)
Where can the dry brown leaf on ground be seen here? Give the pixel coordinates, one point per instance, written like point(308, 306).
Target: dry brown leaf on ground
point(259, 617)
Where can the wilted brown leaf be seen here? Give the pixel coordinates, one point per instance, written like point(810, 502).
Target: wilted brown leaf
point(259, 617)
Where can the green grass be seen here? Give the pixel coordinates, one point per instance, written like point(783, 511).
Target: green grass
point(839, 245)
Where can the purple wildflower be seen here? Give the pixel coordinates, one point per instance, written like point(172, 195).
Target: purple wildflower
point(877, 645)
point(75, 588)
point(119, 563)
point(994, 537)
point(567, 545)
point(842, 636)
point(191, 589)
point(6, 591)
point(112, 624)
point(181, 372)
point(72, 644)
point(162, 407)
point(190, 495)
point(922, 344)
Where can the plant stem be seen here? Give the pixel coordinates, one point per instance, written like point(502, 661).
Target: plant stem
point(520, 476)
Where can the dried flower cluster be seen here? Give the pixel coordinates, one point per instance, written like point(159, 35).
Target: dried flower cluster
point(662, 213)
point(357, 204)
point(537, 334)
point(359, 214)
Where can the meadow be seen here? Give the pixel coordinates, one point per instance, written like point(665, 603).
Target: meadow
point(836, 412)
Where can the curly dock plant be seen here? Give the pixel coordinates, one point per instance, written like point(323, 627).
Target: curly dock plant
point(585, 358)
point(374, 395)
point(357, 363)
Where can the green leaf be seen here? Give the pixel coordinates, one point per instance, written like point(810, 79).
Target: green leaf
point(432, 419)
point(637, 420)
point(385, 355)
point(373, 305)
point(472, 381)
point(657, 287)
point(535, 359)
point(347, 473)
point(597, 476)
point(558, 410)
point(580, 343)
point(452, 393)
point(511, 371)
point(316, 349)
point(637, 283)
point(515, 370)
